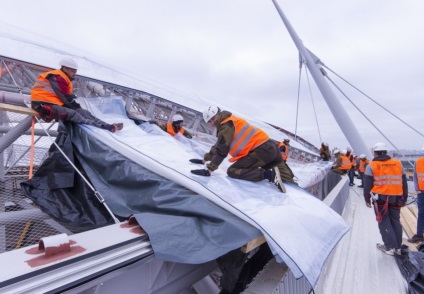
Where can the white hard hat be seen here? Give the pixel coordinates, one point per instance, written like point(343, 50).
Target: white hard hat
point(362, 156)
point(349, 149)
point(344, 151)
point(210, 112)
point(337, 151)
point(177, 117)
point(379, 147)
point(325, 144)
point(68, 62)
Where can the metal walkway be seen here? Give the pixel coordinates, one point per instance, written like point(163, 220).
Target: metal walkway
point(356, 265)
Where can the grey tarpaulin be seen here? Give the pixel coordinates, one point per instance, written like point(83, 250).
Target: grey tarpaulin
point(61, 193)
point(182, 225)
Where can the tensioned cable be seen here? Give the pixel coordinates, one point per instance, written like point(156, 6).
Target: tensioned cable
point(96, 193)
point(373, 100)
point(350, 100)
point(313, 103)
point(298, 94)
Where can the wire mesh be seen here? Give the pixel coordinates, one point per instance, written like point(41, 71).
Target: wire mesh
point(21, 222)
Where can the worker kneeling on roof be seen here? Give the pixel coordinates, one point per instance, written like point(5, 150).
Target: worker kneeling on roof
point(254, 154)
point(176, 127)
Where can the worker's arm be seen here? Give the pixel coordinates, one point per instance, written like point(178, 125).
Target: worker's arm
point(60, 88)
point(222, 146)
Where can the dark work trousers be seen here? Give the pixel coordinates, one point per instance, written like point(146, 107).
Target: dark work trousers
point(286, 172)
point(252, 166)
point(420, 219)
point(78, 116)
point(361, 175)
point(390, 226)
point(351, 175)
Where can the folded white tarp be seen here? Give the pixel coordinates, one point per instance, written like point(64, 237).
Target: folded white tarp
point(300, 229)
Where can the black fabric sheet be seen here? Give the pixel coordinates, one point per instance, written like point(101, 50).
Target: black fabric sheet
point(411, 265)
point(62, 194)
point(182, 225)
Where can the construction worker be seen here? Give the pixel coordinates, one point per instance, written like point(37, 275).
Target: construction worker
point(285, 171)
point(324, 152)
point(254, 154)
point(176, 127)
point(363, 162)
point(52, 98)
point(419, 188)
point(284, 149)
point(351, 171)
point(385, 183)
point(342, 164)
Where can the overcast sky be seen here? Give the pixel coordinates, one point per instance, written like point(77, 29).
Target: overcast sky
point(238, 53)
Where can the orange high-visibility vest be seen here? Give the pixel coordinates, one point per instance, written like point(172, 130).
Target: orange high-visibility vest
point(284, 154)
point(363, 164)
point(346, 163)
point(419, 169)
point(352, 159)
point(170, 129)
point(246, 137)
point(387, 177)
point(42, 90)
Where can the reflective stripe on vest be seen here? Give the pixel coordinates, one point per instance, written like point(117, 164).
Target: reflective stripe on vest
point(387, 177)
point(170, 129)
point(284, 154)
point(346, 163)
point(419, 169)
point(246, 137)
point(42, 90)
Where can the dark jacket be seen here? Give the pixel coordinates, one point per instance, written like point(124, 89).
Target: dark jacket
point(224, 134)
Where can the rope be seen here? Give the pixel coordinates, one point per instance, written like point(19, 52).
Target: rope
point(31, 153)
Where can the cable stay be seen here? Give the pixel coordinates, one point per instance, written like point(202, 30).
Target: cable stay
point(301, 62)
point(313, 104)
point(418, 132)
point(366, 117)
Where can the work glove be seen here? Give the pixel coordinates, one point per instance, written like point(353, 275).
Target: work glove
point(70, 97)
point(74, 105)
point(46, 112)
point(197, 161)
point(201, 172)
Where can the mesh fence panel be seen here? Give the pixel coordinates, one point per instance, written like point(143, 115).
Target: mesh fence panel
point(21, 222)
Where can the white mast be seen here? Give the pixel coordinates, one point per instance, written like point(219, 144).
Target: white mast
point(339, 113)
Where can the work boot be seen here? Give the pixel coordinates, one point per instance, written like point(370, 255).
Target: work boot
point(415, 239)
point(278, 180)
point(361, 186)
point(386, 250)
point(269, 175)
